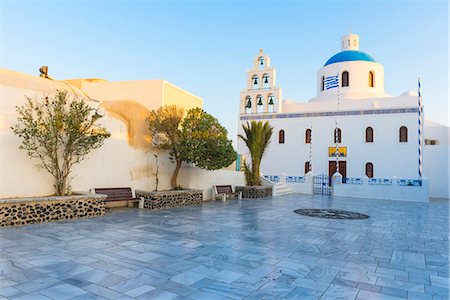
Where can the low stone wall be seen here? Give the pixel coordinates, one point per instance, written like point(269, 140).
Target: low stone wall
point(255, 191)
point(24, 211)
point(170, 199)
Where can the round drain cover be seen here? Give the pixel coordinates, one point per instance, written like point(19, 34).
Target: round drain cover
point(331, 214)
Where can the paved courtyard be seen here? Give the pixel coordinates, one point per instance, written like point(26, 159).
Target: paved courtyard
point(249, 249)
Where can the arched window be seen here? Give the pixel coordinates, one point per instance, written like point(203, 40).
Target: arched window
point(403, 134)
point(345, 79)
point(369, 135)
point(307, 165)
point(308, 136)
point(266, 81)
point(255, 81)
point(322, 83)
point(371, 79)
point(337, 135)
point(369, 170)
point(281, 137)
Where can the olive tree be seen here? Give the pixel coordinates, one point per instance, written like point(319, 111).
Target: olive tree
point(197, 138)
point(59, 132)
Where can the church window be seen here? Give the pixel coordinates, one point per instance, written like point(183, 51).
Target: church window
point(369, 135)
point(371, 79)
point(322, 83)
point(345, 79)
point(403, 134)
point(281, 137)
point(255, 81)
point(307, 167)
point(308, 136)
point(369, 170)
point(337, 135)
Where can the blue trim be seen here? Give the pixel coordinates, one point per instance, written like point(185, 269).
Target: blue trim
point(349, 55)
point(331, 113)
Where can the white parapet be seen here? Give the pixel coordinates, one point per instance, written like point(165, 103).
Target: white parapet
point(384, 189)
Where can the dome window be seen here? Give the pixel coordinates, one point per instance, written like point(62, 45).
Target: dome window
point(371, 79)
point(345, 79)
point(322, 83)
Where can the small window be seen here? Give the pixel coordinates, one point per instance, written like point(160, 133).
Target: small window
point(308, 136)
point(371, 79)
point(307, 167)
point(337, 135)
point(369, 170)
point(369, 135)
point(403, 134)
point(281, 137)
point(345, 78)
point(322, 83)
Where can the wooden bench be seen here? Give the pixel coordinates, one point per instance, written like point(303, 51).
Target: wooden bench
point(224, 192)
point(118, 194)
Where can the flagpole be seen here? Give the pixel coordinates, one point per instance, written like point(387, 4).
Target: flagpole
point(336, 131)
point(310, 149)
point(419, 119)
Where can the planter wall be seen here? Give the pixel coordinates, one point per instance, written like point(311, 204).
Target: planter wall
point(23, 211)
point(255, 191)
point(170, 199)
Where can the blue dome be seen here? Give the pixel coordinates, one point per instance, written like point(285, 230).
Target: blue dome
point(349, 55)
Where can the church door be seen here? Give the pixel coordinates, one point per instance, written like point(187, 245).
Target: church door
point(342, 169)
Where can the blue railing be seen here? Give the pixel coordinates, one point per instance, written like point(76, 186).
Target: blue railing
point(409, 182)
point(295, 179)
point(380, 181)
point(274, 178)
point(352, 181)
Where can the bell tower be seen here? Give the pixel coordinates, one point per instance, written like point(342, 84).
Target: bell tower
point(261, 95)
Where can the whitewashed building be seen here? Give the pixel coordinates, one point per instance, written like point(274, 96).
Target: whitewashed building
point(377, 133)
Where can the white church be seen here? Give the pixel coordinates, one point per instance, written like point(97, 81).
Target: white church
point(352, 124)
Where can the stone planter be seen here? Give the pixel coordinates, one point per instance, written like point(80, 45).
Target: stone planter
point(170, 199)
point(255, 191)
point(24, 211)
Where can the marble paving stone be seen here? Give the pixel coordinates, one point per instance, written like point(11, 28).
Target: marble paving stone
point(244, 249)
point(63, 291)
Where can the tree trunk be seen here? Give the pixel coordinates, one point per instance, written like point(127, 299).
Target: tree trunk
point(175, 174)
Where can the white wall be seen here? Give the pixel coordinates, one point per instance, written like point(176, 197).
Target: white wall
point(391, 192)
point(195, 178)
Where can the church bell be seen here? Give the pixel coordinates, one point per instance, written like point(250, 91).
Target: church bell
point(255, 81)
point(249, 104)
point(260, 101)
point(271, 101)
point(266, 79)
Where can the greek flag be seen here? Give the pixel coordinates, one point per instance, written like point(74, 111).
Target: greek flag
point(331, 82)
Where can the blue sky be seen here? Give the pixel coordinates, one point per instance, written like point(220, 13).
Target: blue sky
point(206, 47)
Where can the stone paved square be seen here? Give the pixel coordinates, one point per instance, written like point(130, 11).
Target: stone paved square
point(247, 249)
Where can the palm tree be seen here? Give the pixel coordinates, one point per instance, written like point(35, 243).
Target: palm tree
point(257, 138)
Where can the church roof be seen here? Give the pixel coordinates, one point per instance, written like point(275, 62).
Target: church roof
point(349, 55)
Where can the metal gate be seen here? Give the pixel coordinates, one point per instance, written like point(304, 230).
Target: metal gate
point(322, 184)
